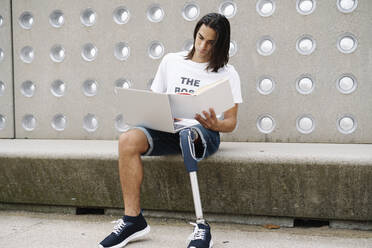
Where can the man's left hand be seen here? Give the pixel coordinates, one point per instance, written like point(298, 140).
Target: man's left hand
point(210, 121)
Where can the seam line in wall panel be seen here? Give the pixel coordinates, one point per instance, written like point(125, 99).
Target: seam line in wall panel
point(12, 58)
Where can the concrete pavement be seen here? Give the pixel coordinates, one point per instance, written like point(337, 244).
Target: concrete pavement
point(39, 230)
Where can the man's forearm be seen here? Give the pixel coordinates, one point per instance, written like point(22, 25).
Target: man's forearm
point(226, 125)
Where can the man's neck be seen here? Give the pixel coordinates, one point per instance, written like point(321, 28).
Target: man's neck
point(199, 60)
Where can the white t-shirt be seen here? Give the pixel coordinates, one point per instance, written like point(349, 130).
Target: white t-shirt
point(179, 75)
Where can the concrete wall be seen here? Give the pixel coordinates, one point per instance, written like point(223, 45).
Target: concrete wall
point(6, 72)
point(323, 111)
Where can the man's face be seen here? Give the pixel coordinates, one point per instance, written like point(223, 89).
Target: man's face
point(204, 42)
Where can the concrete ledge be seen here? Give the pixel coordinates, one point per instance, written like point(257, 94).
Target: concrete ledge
point(317, 181)
point(357, 225)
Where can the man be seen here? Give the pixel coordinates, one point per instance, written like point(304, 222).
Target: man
point(178, 73)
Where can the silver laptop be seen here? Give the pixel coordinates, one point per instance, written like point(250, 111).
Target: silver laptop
point(149, 109)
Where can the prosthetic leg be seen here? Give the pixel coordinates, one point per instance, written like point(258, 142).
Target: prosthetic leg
point(188, 152)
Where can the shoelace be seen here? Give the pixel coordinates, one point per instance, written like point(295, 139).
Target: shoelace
point(120, 224)
point(198, 233)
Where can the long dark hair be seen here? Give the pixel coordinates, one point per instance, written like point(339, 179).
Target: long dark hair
point(220, 49)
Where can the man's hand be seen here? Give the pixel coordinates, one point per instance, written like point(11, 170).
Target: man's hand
point(210, 121)
point(226, 125)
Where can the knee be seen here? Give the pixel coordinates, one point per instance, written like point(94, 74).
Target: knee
point(127, 144)
point(132, 143)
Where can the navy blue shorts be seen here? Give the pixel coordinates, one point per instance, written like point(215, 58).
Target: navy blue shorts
point(163, 143)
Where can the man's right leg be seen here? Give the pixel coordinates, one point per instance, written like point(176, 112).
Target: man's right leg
point(131, 145)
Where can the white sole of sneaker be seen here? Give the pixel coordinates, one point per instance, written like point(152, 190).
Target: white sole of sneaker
point(131, 238)
point(210, 244)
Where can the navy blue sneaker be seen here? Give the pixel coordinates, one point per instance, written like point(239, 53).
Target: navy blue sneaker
point(127, 229)
point(201, 237)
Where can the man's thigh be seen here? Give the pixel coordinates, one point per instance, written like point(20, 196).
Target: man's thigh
point(163, 143)
point(160, 143)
